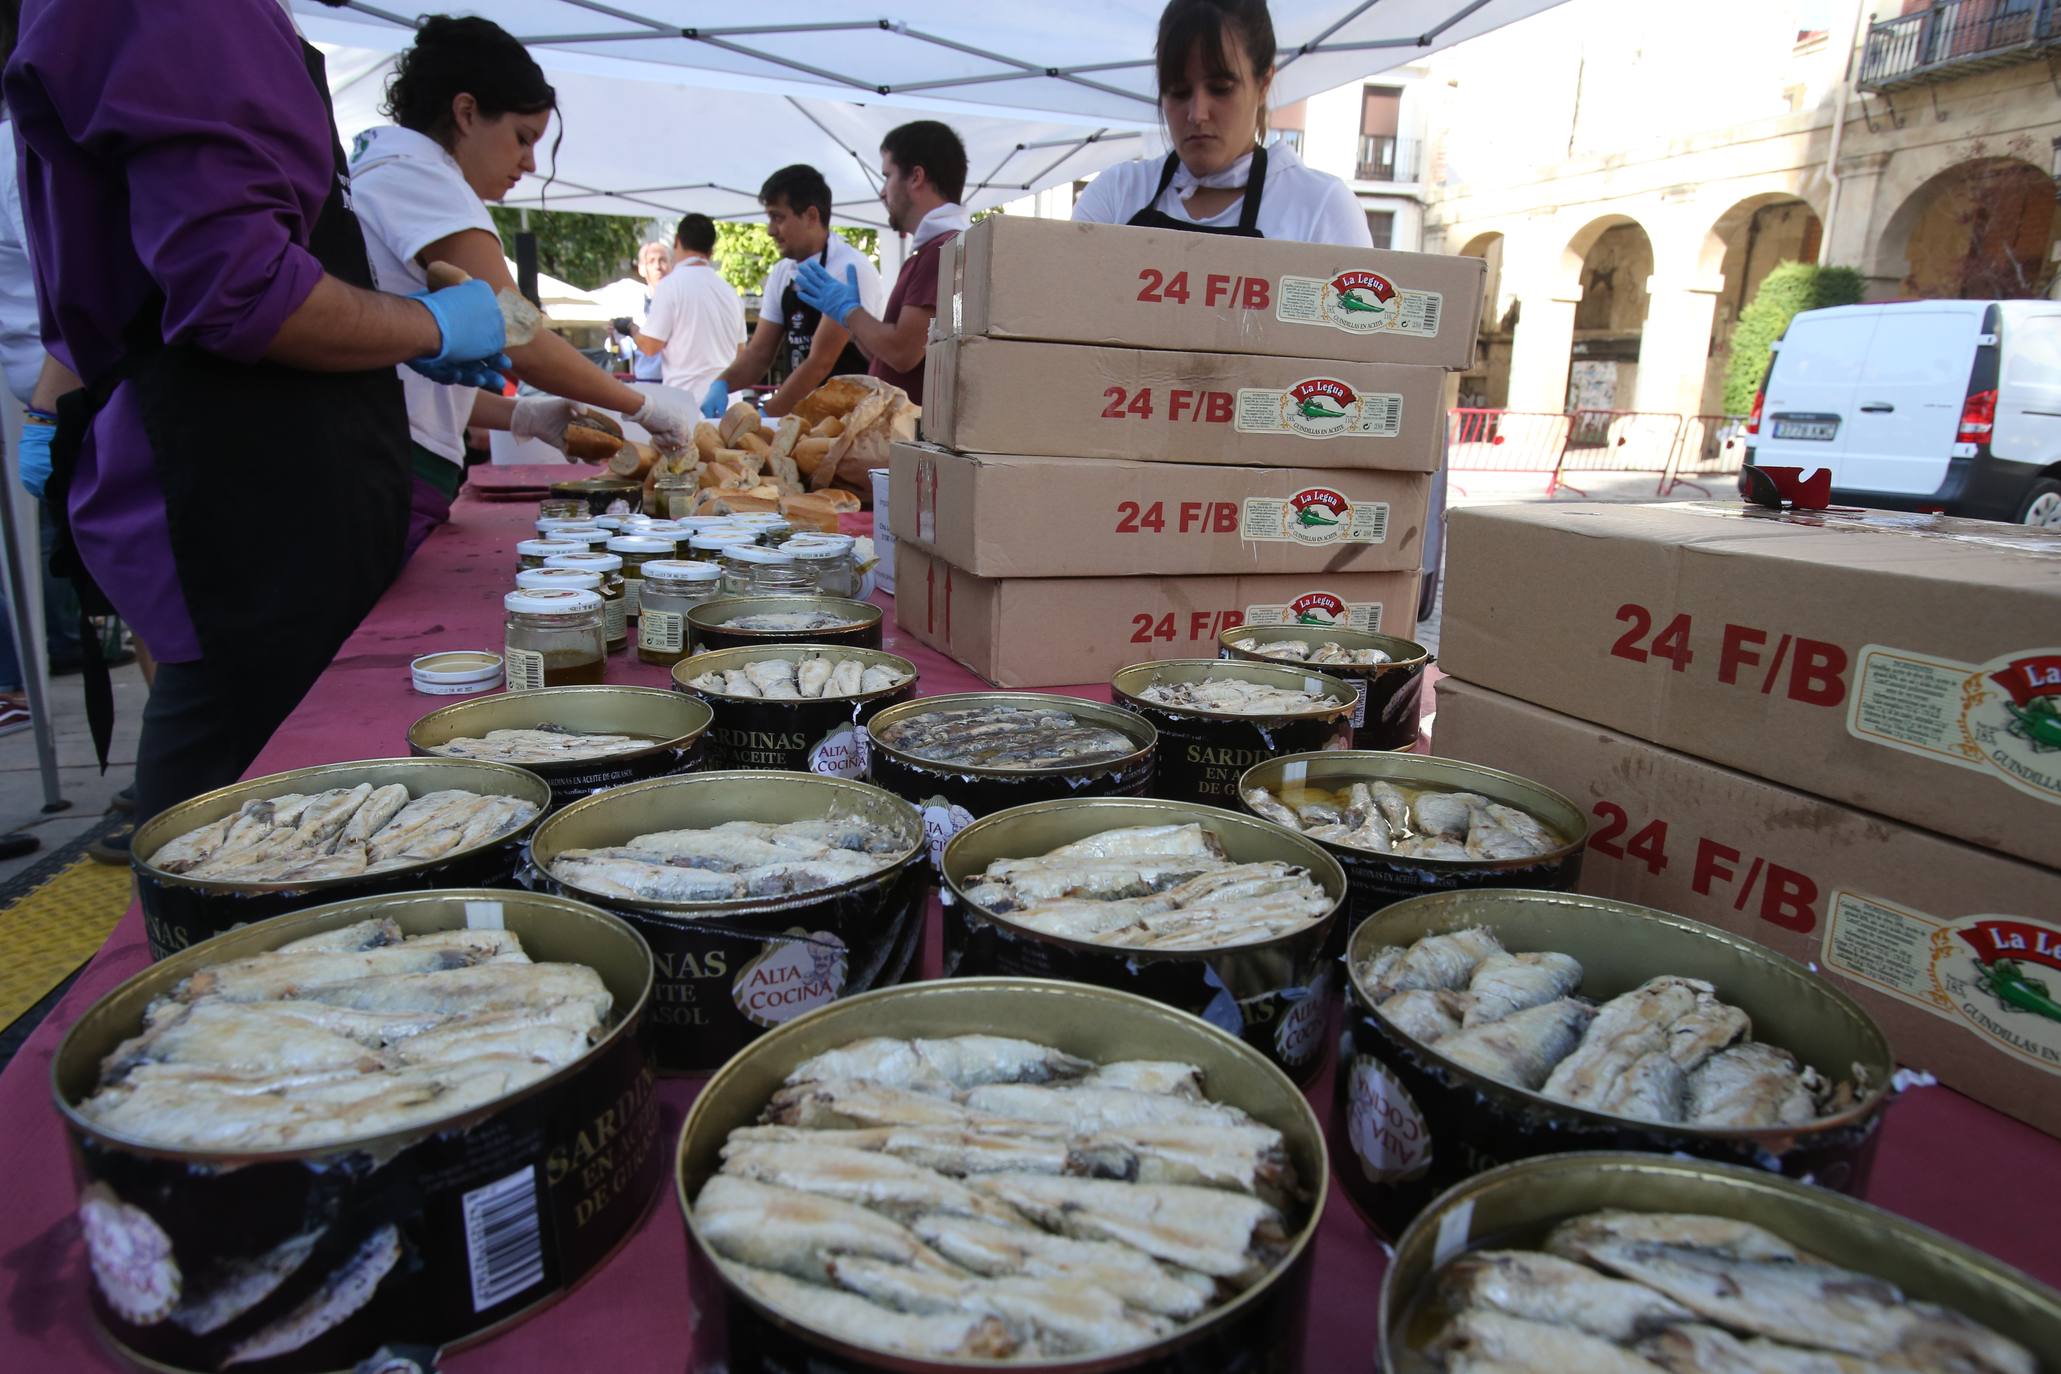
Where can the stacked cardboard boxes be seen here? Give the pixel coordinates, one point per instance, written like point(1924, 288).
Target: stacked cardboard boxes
point(1838, 733)
point(1135, 439)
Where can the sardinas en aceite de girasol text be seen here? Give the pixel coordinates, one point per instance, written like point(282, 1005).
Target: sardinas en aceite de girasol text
point(340, 833)
point(1415, 822)
point(734, 861)
point(985, 1197)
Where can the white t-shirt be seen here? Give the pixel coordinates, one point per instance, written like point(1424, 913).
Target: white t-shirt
point(21, 328)
point(701, 321)
point(1298, 203)
point(872, 294)
point(408, 193)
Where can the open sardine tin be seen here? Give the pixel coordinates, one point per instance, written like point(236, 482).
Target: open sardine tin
point(1514, 1205)
point(1378, 879)
point(675, 725)
point(482, 1218)
point(1202, 754)
point(952, 796)
point(709, 624)
point(601, 494)
point(1387, 711)
point(825, 735)
point(179, 911)
point(1276, 995)
point(729, 971)
point(1261, 1331)
point(1407, 1123)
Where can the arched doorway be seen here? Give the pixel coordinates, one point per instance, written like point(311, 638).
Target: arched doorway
point(1612, 259)
point(1487, 383)
point(1979, 230)
point(1744, 245)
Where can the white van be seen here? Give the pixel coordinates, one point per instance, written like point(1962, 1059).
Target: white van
point(1950, 406)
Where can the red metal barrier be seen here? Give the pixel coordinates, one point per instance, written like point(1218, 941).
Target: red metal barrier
point(1710, 446)
point(1480, 439)
point(1616, 441)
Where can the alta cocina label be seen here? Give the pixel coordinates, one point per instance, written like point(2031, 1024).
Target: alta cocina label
point(2001, 717)
point(1359, 302)
point(1319, 408)
point(1314, 515)
point(791, 977)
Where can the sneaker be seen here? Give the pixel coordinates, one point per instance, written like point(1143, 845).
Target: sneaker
point(13, 718)
point(18, 844)
point(111, 848)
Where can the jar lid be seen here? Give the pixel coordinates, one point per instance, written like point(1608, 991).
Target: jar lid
point(814, 552)
point(585, 562)
point(551, 601)
point(588, 536)
point(639, 543)
point(843, 542)
point(577, 579)
point(681, 570)
point(746, 553)
point(715, 540)
point(701, 523)
point(548, 523)
point(544, 548)
point(670, 529)
point(611, 523)
point(759, 519)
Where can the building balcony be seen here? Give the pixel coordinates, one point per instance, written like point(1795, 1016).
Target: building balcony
point(1955, 39)
point(1384, 157)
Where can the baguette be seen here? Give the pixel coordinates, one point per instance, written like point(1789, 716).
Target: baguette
point(741, 418)
point(828, 429)
point(707, 439)
point(809, 452)
point(752, 443)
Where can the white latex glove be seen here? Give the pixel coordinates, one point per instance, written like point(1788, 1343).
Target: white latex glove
point(541, 417)
point(670, 418)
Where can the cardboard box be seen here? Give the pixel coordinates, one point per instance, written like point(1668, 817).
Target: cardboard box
point(1905, 664)
point(1065, 631)
point(1069, 401)
point(1011, 516)
point(1899, 918)
point(1011, 277)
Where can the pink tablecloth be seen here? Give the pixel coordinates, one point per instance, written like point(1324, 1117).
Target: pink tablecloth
point(633, 1314)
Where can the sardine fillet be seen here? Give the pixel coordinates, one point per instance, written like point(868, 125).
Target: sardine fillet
point(867, 1323)
point(1546, 1288)
point(1523, 1048)
point(796, 1233)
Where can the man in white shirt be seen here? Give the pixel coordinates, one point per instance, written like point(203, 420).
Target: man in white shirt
point(816, 347)
point(696, 322)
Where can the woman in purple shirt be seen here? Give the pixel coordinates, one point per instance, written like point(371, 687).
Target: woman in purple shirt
point(235, 468)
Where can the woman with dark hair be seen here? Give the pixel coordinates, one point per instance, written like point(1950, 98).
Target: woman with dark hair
point(1216, 62)
point(469, 107)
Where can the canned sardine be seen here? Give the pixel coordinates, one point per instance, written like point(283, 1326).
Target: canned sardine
point(1387, 671)
point(581, 740)
point(740, 622)
point(803, 707)
point(1217, 718)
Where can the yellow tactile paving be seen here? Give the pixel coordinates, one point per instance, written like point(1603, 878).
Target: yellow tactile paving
point(55, 928)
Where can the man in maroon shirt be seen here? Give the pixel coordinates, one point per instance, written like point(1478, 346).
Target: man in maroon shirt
point(924, 167)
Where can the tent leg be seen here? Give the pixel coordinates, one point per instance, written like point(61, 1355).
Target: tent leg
point(29, 650)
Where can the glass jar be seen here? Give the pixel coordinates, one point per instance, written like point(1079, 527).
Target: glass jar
point(636, 550)
point(607, 568)
point(553, 638)
point(612, 523)
point(531, 553)
point(593, 537)
point(771, 529)
point(752, 571)
point(830, 556)
point(676, 491)
point(548, 526)
point(562, 508)
point(672, 587)
point(710, 546)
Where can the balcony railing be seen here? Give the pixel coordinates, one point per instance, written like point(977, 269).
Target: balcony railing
point(1956, 38)
point(1384, 157)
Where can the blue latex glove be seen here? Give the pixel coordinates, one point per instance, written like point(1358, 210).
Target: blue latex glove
point(468, 321)
point(835, 298)
point(480, 374)
point(716, 401)
point(35, 456)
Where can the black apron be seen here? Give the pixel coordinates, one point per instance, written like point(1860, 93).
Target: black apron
point(286, 492)
point(802, 319)
point(1151, 217)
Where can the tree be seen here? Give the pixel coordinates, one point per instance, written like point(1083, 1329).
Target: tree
point(1787, 291)
point(745, 252)
point(586, 250)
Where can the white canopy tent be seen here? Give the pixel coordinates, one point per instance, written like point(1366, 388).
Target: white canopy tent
point(670, 106)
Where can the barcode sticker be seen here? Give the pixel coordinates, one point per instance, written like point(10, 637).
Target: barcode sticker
point(503, 1238)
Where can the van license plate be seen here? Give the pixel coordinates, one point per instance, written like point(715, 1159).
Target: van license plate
point(1806, 429)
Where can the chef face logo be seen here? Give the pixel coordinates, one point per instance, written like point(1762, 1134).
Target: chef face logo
point(1320, 407)
point(2002, 976)
point(1317, 608)
point(1318, 515)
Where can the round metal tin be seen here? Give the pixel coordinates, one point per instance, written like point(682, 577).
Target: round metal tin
point(1258, 1332)
point(601, 493)
point(1203, 753)
point(179, 910)
point(569, 1166)
point(1408, 1123)
point(675, 726)
point(1277, 995)
point(1386, 714)
point(952, 796)
point(709, 627)
point(729, 971)
point(805, 734)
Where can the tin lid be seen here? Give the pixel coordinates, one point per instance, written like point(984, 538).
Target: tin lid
point(747, 553)
point(715, 540)
point(449, 666)
point(577, 579)
point(545, 548)
point(681, 570)
point(551, 601)
point(585, 562)
point(638, 543)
